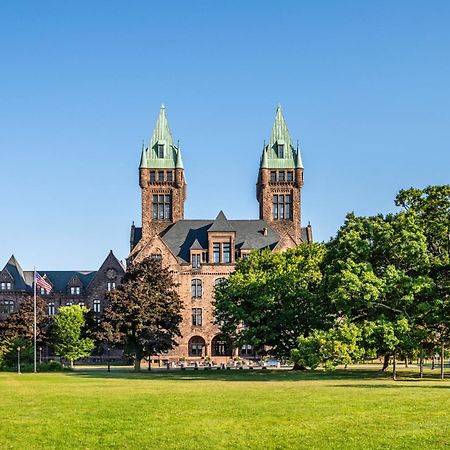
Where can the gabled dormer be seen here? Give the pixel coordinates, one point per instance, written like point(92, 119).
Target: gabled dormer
point(221, 241)
point(245, 249)
point(74, 286)
point(12, 276)
point(108, 276)
point(6, 281)
point(197, 255)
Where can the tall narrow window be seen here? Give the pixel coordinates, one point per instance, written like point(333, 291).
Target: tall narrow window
point(281, 176)
point(97, 306)
point(51, 309)
point(111, 285)
point(273, 176)
point(196, 260)
point(275, 207)
point(162, 206)
point(280, 150)
point(75, 290)
point(160, 175)
point(197, 317)
point(290, 176)
point(226, 252)
point(170, 176)
point(160, 150)
point(152, 176)
point(216, 252)
point(196, 288)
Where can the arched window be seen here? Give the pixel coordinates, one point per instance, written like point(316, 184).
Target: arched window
point(51, 309)
point(97, 306)
point(196, 345)
point(221, 346)
point(196, 288)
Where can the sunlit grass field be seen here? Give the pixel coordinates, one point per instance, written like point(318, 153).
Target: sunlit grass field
point(223, 409)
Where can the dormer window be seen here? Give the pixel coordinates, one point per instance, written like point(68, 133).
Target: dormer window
point(196, 260)
point(75, 290)
point(280, 150)
point(7, 286)
point(43, 291)
point(160, 150)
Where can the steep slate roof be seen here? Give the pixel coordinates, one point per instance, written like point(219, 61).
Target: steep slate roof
point(221, 223)
point(161, 135)
point(196, 245)
point(16, 272)
point(61, 278)
point(181, 236)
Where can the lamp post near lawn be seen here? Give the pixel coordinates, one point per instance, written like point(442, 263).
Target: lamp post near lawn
point(18, 360)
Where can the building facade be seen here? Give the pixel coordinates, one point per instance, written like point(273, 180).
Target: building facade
point(69, 287)
point(203, 253)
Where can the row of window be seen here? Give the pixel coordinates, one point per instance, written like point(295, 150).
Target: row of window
point(76, 290)
point(196, 286)
point(7, 306)
point(281, 175)
point(221, 254)
point(219, 347)
point(161, 176)
point(162, 206)
point(282, 207)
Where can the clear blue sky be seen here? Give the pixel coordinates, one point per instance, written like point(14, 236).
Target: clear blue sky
point(364, 86)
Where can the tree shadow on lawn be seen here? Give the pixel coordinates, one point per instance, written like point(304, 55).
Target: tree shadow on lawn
point(232, 375)
point(396, 385)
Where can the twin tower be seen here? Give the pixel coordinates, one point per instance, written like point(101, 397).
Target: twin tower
point(278, 189)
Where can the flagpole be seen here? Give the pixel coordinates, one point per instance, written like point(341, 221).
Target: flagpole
point(34, 322)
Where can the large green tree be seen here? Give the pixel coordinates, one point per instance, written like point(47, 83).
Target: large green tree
point(144, 312)
point(67, 333)
point(273, 298)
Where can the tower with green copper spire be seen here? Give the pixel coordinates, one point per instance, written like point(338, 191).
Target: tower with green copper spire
point(162, 181)
point(280, 181)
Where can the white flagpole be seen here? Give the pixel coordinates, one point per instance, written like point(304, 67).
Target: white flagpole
point(34, 322)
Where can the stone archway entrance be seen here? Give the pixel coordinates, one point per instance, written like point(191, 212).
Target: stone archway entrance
point(220, 346)
point(196, 346)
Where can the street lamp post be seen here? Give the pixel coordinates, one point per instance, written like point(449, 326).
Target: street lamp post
point(18, 360)
point(40, 355)
point(109, 359)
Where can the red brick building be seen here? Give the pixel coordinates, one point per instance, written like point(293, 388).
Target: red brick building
point(202, 253)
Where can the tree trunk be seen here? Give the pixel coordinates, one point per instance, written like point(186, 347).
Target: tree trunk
point(385, 362)
point(421, 364)
point(394, 367)
point(150, 364)
point(406, 362)
point(71, 363)
point(298, 367)
point(442, 361)
point(432, 362)
point(137, 364)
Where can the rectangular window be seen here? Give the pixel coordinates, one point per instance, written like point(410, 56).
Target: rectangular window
point(287, 208)
point(43, 291)
point(5, 286)
point(75, 290)
point(216, 252)
point(282, 207)
point(280, 150)
point(152, 176)
point(160, 150)
point(111, 285)
point(196, 288)
point(162, 207)
point(273, 176)
point(281, 176)
point(275, 207)
point(197, 317)
point(69, 303)
point(226, 252)
point(97, 306)
point(160, 175)
point(196, 260)
point(169, 176)
point(290, 176)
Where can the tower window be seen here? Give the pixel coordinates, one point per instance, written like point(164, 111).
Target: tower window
point(170, 176)
point(282, 205)
point(280, 150)
point(290, 176)
point(160, 150)
point(197, 317)
point(160, 175)
point(152, 176)
point(273, 176)
point(281, 176)
point(162, 206)
point(196, 288)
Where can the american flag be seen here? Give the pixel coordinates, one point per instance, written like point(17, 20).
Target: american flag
point(42, 283)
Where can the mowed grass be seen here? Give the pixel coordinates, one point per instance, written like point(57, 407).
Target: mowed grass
point(223, 409)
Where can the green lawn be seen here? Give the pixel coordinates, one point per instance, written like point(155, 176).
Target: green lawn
point(222, 409)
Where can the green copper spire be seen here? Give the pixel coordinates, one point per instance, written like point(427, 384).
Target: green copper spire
point(179, 163)
point(280, 152)
point(143, 163)
point(161, 152)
